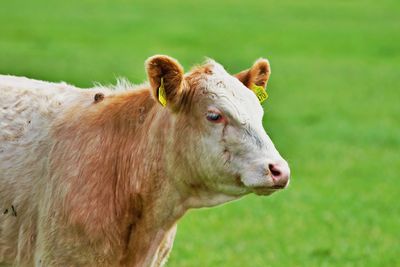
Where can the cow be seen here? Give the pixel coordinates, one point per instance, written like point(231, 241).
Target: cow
point(100, 177)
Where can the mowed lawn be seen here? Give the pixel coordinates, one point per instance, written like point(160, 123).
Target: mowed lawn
point(333, 111)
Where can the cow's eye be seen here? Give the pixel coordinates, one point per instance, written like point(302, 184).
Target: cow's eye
point(214, 117)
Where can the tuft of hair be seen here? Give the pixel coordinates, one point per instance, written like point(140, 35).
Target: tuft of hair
point(122, 85)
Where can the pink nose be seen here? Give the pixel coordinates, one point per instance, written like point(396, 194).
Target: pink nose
point(280, 173)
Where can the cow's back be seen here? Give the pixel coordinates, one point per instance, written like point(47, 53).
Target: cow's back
point(27, 110)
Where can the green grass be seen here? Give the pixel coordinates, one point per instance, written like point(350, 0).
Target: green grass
point(333, 111)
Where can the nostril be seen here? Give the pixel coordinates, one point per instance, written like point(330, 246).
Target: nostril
point(274, 170)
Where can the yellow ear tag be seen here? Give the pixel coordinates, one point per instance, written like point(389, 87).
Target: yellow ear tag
point(162, 97)
point(260, 92)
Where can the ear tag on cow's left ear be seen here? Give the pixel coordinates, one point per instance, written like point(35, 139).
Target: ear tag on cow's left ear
point(260, 92)
point(162, 97)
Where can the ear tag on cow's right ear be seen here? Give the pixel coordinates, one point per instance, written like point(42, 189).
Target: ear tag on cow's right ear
point(162, 97)
point(260, 92)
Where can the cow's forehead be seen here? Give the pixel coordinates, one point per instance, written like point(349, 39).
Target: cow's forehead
point(232, 95)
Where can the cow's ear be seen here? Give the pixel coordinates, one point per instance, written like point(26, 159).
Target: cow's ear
point(258, 74)
point(165, 75)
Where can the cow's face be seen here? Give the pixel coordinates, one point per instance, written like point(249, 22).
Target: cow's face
point(220, 125)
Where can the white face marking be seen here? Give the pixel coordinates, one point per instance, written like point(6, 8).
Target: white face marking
point(239, 147)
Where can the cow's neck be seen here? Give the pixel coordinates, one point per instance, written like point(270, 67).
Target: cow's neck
point(120, 185)
point(158, 203)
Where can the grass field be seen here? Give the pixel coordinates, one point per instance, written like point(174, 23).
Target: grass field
point(333, 111)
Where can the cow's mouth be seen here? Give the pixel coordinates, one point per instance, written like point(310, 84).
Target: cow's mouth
point(266, 190)
point(258, 190)
point(277, 187)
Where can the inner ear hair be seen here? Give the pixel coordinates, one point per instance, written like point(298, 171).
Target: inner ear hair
point(163, 67)
point(258, 74)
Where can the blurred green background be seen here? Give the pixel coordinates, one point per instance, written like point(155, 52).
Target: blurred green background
point(333, 111)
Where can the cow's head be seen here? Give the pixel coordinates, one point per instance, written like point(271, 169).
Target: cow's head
point(218, 139)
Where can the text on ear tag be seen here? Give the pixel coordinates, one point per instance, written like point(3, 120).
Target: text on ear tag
point(162, 97)
point(260, 92)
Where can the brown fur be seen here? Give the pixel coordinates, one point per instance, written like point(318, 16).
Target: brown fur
point(258, 74)
point(101, 203)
